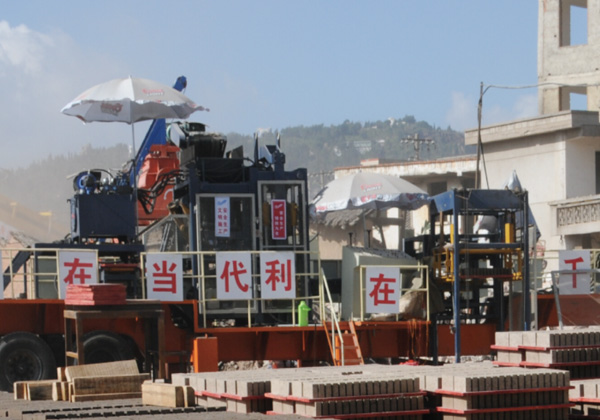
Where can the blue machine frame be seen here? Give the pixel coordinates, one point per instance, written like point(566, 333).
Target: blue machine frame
point(482, 202)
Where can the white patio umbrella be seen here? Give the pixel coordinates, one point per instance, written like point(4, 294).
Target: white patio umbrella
point(130, 100)
point(368, 190)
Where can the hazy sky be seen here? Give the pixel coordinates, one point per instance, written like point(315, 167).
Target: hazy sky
point(263, 63)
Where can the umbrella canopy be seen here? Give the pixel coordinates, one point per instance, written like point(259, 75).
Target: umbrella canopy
point(129, 100)
point(368, 190)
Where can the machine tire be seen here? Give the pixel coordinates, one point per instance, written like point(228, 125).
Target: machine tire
point(24, 357)
point(105, 346)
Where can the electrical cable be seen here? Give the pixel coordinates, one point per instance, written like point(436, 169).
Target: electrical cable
point(483, 90)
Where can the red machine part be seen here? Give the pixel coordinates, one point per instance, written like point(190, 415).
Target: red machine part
point(161, 160)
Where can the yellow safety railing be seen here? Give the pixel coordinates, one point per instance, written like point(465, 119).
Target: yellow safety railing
point(205, 283)
point(33, 273)
point(334, 319)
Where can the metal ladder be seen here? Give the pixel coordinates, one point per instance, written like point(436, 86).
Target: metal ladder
point(344, 346)
point(349, 346)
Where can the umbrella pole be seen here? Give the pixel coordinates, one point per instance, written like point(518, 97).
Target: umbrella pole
point(133, 147)
point(366, 233)
point(134, 169)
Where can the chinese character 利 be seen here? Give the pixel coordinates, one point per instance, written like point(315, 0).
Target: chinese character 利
point(279, 273)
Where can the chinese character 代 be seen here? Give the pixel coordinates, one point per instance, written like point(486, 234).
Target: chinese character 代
point(236, 271)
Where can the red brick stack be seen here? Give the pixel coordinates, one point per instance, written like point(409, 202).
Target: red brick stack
point(96, 294)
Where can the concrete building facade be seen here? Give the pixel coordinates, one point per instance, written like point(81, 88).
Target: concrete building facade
point(557, 155)
point(568, 55)
point(555, 158)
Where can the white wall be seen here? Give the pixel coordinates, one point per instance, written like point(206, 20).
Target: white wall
point(581, 166)
point(540, 166)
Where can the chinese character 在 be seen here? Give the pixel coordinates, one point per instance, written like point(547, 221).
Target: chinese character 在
point(82, 275)
point(381, 291)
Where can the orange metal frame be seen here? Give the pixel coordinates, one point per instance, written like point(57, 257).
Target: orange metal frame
point(307, 345)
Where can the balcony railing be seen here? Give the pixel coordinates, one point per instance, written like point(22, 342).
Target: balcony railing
point(577, 215)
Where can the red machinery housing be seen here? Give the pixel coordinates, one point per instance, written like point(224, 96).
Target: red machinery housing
point(158, 169)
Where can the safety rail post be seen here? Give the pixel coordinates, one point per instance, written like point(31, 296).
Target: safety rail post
point(202, 289)
point(361, 291)
point(143, 271)
point(335, 325)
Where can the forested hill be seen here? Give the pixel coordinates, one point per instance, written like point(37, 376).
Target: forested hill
point(321, 149)
point(45, 186)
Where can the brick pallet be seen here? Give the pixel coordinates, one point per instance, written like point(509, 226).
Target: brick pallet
point(237, 391)
point(576, 350)
point(93, 382)
point(469, 391)
point(349, 397)
point(476, 393)
point(335, 392)
point(585, 394)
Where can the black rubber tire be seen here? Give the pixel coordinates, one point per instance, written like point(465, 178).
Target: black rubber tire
point(24, 357)
point(105, 346)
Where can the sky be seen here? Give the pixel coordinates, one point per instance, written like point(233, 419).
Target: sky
point(263, 64)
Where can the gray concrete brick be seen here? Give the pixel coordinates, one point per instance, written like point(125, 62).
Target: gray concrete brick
point(447, 383)
point(501, 338)
point(296, 389)
point(516, 338)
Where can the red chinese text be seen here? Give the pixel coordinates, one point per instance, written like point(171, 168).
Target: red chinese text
point(381, 291)
point(164, 276)
point(573, 263)
point(77, 271)
point(237, 269)
point(279, 273)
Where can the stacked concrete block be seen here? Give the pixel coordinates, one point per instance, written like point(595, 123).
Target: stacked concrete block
point(585, 394)
point(507, 345)
point(476, 393)
point(575, 350)
point(237, 391)
point(469, 391)
point(314, 392)
point(378, 390)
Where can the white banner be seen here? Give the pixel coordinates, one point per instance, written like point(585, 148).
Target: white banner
point(234, 275)
point(222, 217)
point(164, 277)
point(382, 290)
point(277, 275)
point(76, 267)
point(574, 283)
